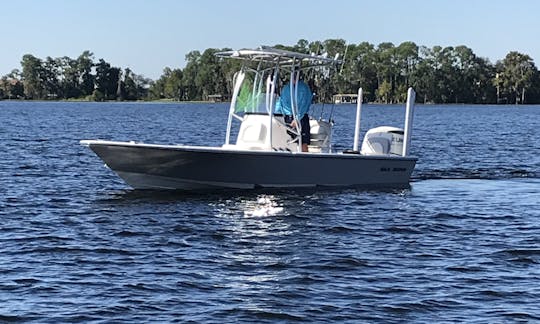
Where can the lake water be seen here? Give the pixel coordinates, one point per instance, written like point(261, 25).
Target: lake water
point(77, 245)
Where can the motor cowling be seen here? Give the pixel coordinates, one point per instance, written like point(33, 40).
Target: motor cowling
point(383, 140)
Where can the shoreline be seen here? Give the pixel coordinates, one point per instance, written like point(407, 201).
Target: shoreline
point(170, 101)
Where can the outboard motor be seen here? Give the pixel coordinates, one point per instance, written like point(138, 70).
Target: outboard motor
point(383, 140)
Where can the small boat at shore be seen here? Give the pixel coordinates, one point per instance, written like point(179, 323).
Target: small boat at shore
point(267, 152)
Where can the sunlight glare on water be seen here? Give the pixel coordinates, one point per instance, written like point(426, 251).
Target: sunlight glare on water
point(265, 205)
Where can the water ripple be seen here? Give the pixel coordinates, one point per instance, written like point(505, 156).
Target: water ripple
point(77, 245)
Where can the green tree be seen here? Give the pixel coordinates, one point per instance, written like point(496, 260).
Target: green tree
point(533, 94)
point(210, 78)
point(423, 76)
point(156, 90)
point(406, 58)
point(387, 71)
point(169, 85)
point(129, 87)
point(142, 84)
point(302, 46)
point(191, 91)
point(85, 63)
point(11, 86)
point(32, 77)
point(50, 78)
point(436, 75)
point(384, 91)
point(516, 76)
point(173, 85)
point(70, 77)
point(107, 81)
point(473, 77)
point(360, 70)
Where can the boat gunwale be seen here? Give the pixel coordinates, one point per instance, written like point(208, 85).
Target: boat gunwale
point(225, 150)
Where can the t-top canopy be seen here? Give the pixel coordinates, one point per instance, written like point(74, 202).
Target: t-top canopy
point(283, 57)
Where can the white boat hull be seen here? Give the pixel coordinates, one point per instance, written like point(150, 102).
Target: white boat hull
point(149, 166)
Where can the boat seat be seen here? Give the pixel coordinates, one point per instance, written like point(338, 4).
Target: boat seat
point(253, 133)
point(252, 136)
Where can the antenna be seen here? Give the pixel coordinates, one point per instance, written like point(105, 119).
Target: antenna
point(344, 56)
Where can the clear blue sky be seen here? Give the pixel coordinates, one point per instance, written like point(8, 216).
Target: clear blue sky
point(148, 35)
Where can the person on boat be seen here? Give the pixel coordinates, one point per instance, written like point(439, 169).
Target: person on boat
point(304, 99)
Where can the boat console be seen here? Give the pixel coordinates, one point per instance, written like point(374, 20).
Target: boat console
point(254, 134)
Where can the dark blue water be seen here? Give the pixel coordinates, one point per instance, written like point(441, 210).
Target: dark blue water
point(77, 245)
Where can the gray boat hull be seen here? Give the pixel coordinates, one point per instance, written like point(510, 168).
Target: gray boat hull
point(148, 166)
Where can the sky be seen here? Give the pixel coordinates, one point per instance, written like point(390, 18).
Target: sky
point(149, 35)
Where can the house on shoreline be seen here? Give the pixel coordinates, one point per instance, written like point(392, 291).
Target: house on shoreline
point(345, 98)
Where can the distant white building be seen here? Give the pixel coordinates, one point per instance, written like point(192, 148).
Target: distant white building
point(345, 98)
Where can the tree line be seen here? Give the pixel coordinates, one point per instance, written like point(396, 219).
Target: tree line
point(438, 74)
point(68, 78)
